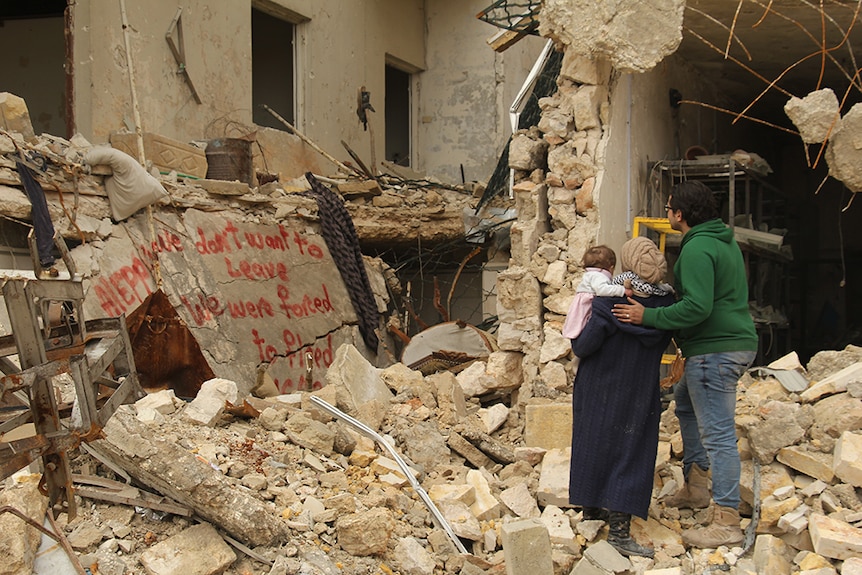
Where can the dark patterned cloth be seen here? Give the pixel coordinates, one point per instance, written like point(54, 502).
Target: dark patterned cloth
point(42, 223)
point(616, 406)
point(338, 232)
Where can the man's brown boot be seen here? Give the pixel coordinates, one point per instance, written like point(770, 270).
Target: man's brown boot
point(723, 530)
point(694, 494)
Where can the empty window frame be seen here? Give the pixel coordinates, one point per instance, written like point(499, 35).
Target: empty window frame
point(273, 54)
point(398, 115)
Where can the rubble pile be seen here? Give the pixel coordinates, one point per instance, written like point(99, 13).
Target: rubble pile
point(394, 208)
point(287, 485)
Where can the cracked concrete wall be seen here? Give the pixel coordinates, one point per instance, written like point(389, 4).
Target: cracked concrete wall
point(253, 295)
point(466, 91)
point(340, 47)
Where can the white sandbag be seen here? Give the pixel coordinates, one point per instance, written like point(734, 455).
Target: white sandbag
point(131, 187)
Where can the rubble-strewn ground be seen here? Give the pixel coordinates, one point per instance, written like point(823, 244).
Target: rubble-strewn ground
point(348, 509)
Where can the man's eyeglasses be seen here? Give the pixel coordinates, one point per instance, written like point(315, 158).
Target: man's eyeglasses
point(666, 208)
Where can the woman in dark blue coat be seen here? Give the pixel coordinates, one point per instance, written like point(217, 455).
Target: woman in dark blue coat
point(617, 404)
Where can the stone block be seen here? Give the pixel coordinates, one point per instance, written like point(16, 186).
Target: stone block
point(208, 407)
point(586, 105)
point(520, 501)
point(548, 425)
point(14, 115)
point(21, 541)
point(559, 527)
point(554, 346)
point(771, 510)
point(834, 538)
point(469, 451)
point(461, 520)
point(413, 558)
point(485, 506)
point(835, 383)
point(493, 417)
point(464, 493)
point(772, 477)
point(504, 367)
point(579, 68)
point(527, 548)
point(163, 401)
point(853, 566)
point(359, 384)
point(812, 463)
point(847, 458)
point(198, 550)
point(165, 153)
point(794, 522)
point(531, 201)
point(527, 154)
point(554, 480)
point(310, 433)
point(365, 533)
point(451, 405)
point(602, 555)
point(518, 295)
point(770, 555)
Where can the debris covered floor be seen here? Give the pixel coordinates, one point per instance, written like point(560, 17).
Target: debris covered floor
point(285, 487)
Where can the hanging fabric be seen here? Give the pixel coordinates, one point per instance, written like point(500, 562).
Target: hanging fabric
point(42, 223)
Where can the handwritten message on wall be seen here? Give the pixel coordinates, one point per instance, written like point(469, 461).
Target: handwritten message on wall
point(271, 290)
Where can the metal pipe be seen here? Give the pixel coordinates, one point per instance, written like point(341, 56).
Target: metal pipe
point(438, 517)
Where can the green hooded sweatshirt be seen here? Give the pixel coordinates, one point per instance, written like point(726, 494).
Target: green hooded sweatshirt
point(712, 314)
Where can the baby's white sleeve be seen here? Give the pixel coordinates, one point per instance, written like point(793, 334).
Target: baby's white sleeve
point(610, 290)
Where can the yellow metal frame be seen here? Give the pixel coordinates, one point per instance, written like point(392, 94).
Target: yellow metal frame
point(662, 227)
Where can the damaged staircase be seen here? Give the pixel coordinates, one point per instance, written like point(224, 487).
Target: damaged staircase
point(50, 337)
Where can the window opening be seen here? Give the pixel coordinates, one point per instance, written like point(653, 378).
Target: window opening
point(397, 116)
point(272, 69)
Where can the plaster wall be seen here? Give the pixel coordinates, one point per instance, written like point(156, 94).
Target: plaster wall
point(466, 91)
point(340, 46)
point(644, 128)
point(256, 297)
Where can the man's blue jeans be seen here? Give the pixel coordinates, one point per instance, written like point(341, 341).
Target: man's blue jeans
point(705, 406)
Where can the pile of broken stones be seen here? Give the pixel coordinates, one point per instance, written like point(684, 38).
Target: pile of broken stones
point(287, 486)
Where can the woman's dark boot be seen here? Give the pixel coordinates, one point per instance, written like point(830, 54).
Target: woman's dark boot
point(595, 513)
point(620, 537)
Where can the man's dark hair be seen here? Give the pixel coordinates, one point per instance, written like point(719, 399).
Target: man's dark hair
point(695, 200)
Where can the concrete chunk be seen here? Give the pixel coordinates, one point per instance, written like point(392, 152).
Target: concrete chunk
point(770, 555)
point(837, 382)
point(816, 115)
point(834, 538)
point(208, 407)
point(365, 533)
point(20, 541)
point(198, 550)
point(554, 480)
point(177, 473)
point(548, 426)
point(14, 115)
point(847, 458)
point(527, 548)
point(812, 463)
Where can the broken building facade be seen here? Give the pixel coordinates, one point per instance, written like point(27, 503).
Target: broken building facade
point(249, 272)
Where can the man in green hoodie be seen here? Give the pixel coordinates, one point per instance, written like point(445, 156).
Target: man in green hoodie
point(719, 341)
